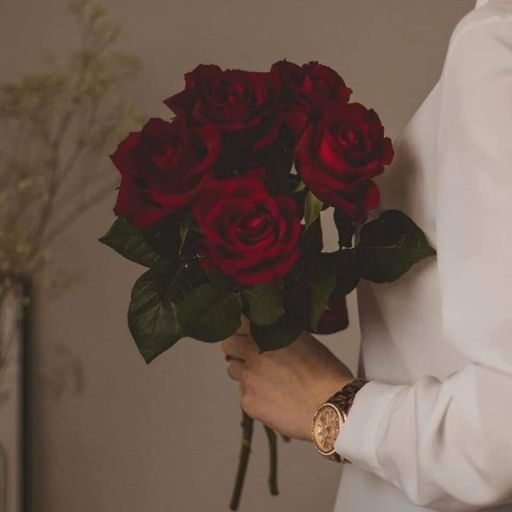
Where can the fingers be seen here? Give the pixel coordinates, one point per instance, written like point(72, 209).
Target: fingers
point(240, 347)
point(244, 326)
point(235, 369)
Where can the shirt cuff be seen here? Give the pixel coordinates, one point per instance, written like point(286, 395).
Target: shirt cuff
point(357, 440)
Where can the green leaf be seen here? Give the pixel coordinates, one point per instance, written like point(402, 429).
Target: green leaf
point(265, 302)
point(299, 187)
point(164, 238)
point(312, 244)
point(389, 246)
point(186, 223)
point(321, 283)
point(186, 279)
point(130, 243)
point(348, 275)
point(288, 326)
point(210, 313)
point(279, 334)
point(312, 209)
point(152, 316)
point(221, 280)
point(183, 236)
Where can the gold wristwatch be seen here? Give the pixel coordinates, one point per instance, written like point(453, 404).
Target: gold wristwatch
point(330, 417)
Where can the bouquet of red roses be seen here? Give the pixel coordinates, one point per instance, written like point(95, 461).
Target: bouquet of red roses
point(222, 204)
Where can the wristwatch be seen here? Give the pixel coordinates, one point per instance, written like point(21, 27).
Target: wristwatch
point(330, 417)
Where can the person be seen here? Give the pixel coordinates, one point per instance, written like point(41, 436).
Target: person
point(431, 429)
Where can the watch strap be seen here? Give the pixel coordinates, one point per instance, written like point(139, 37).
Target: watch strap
point(344, 398)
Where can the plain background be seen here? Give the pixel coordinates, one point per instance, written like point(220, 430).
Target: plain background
point(110, 433)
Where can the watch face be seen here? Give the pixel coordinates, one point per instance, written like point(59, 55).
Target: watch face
point(326, 427)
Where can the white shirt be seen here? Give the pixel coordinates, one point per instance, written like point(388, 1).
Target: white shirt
point(433, 428)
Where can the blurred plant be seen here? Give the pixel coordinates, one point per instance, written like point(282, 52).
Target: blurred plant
point(56, 126)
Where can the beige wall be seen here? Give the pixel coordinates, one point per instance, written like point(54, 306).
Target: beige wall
point(122, 436)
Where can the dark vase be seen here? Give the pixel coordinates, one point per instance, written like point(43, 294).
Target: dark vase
point(15, 306)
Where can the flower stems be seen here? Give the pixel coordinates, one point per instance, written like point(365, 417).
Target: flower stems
point(245, 451)
point(243, 461)
point(272, 476)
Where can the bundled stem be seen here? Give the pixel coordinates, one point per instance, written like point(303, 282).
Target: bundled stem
point(243, 461)
point(245, 451)
point(272, 477)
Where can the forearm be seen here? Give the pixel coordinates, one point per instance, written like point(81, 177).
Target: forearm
point(442, 443)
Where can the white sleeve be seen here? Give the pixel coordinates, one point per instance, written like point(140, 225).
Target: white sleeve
point(448, 444)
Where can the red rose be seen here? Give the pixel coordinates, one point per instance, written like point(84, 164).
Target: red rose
point(240, 103)
point(162, 168)
point(313, 86)
point(248, 234)
point(338, 155)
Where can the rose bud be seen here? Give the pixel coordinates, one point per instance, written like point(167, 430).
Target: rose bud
point(162, 168)
point(338, 155)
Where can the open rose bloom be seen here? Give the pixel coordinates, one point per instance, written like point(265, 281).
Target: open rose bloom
point(222, 202)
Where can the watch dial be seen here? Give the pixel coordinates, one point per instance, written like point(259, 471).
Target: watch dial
point(326, 429)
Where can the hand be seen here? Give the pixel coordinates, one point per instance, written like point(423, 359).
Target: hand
point(283, 388)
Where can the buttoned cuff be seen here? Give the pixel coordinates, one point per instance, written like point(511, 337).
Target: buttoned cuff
point(357, 440)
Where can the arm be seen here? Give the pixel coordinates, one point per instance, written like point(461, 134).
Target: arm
point(448, 444)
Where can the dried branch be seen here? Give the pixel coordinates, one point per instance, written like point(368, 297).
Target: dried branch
point(57, 127)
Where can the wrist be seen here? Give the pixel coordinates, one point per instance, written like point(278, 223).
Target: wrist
point(319, 394)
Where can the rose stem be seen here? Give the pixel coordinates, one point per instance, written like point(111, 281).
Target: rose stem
point(272, 477)
point(245, 451)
